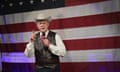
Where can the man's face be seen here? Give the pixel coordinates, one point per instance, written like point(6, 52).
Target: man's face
point(42, 25)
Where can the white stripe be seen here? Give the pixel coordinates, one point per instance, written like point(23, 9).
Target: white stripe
point(1, 20)
point(102, 55)
point(69, 34)
point(67, 12)
point(92, 55)
point(16, 58)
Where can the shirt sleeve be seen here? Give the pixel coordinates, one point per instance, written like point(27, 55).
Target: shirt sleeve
point(58, 49)
point(29, 50)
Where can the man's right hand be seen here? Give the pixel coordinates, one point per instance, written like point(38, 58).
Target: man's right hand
point(33, 36)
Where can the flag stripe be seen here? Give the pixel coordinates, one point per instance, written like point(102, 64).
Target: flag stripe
point(65, 12)
point(79, 2)
point(94, 20)
point(91, 67)
point(69, 34)
point(14, 47)
point(98, 55)
point(95, 43)
point(68, 67)
point(17, 67)
point(78, 44)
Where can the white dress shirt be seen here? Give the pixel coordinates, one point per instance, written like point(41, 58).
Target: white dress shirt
point(58, 49)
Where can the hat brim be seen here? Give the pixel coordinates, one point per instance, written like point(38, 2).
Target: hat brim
point(44, 19)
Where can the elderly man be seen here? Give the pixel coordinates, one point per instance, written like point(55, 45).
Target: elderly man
point(46, 46)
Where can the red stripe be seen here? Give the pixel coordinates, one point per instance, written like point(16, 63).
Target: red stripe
point(19, 27)
point(96, 43)
point(80, 2)
point(17, 67)
point(79, 44)
point(67, 67)
point(91, 67)
point(13, 47)
point(93, 20)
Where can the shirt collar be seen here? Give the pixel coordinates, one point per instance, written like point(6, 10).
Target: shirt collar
point(46, 33)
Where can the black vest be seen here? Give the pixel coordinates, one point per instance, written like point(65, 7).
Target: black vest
point(43, 56)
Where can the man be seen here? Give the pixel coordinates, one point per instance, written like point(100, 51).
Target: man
point(46, 46)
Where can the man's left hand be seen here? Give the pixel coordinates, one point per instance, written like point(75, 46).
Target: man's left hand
point(46, 42)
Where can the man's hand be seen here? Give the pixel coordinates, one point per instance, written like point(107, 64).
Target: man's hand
point(45, 42)
point(32, 37)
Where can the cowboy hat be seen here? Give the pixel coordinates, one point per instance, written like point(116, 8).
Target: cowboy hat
point(43, 17)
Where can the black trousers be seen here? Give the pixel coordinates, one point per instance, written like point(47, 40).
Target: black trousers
point(46, 69)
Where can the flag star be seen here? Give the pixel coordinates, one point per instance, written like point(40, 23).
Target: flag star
point(53, 0)
point(42, 1)
point(31, 1)
point(20, 3)
point(2, 6)
point(10, 4)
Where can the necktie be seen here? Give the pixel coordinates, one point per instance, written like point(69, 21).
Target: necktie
point(43, 35)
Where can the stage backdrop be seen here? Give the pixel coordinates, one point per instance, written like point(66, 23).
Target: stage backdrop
point(90, 30)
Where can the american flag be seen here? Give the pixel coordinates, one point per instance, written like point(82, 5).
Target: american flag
point(90, 30)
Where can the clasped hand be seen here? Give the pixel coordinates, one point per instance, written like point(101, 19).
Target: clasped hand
point(44, 40)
